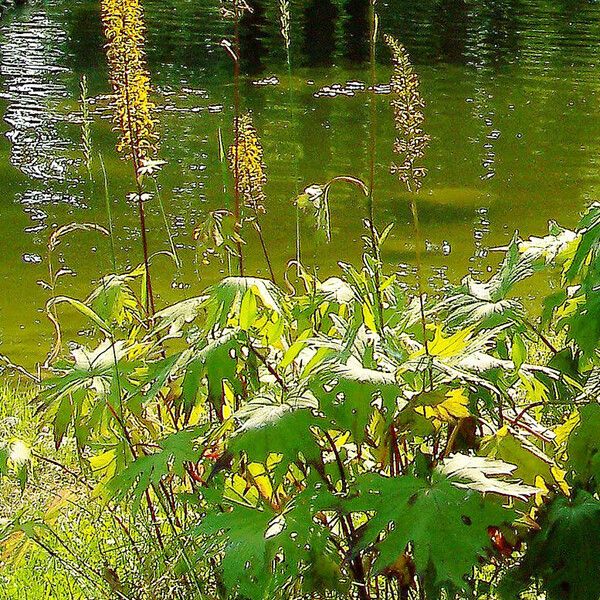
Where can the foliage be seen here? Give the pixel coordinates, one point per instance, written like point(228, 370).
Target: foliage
point(343, 438)
point(258, 443)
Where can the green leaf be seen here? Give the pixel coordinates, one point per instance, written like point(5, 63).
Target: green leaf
point(481, 474)
point(114, 300)
point(86, 311)
point(4, 454)
point(283, 431)
point(583, 447)
point(176, 316)
point(191, 384)
point(518, 351)
point(226, 297)
point(305, 545)
point(348, 395)
point(62, 420)
point(220, 358)
point(584, 317)
point(446, 525)
point(175, 451)
point(529, 459)
point(240, 532)
point(564, 553)
point(248, 310)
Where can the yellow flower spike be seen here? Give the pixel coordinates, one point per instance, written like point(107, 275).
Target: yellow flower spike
point(132, 110)
point(250, 165)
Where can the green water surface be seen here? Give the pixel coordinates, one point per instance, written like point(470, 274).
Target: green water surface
point(512, 110)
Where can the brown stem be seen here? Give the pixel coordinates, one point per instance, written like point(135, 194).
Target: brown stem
point(269, 368)
point(135, 157)
point(542, 337)
point(338, 460)
point(420, 288)
point(528, 407)
point(395, 451)
point(417, 227)
point(264, 248)
point(150, 306)
point(154, 520)
point(356, 563)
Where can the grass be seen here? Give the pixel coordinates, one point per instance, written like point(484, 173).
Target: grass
point(32, 574)
point(55, 504)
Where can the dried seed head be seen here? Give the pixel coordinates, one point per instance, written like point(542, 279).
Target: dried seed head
point(284, 21)
point(408, 106)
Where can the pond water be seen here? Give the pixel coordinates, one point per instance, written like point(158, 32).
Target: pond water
point(512, 108)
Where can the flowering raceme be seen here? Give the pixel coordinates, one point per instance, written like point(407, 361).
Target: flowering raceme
point(246, 163)
point(408, 105)
point(124, 30)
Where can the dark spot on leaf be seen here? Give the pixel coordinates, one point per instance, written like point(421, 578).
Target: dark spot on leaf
point(466, 520)
point(412, 499)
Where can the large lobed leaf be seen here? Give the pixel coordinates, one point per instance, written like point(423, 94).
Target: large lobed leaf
point(564, 553)
point(446, 526)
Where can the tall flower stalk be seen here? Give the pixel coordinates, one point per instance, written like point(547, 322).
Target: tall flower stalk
point(124, 30)
point(234, 9)
point(409, 146)
point(285, 22)
point(246, 162)
point(373, 30)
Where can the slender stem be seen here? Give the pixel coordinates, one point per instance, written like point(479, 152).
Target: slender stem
point(135, 158)
point(418, 241)
point(295, 162)
point(166, 222)
point(269, 368)
point(154, 520)
point(236, 111)
point(136, 162)
point(113, 252)
point(525, 409)
point(542, 337)
point(338, 460)
point(264, 248)
point(372, 156)
point(61, 560)
point(356, 563)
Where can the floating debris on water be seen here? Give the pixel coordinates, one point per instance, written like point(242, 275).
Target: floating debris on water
point(32, 259)
point(266, 81)
point(350, 88)
point(188, 90)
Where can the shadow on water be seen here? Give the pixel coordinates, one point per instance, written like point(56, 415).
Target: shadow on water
point(511, 90)
point(319, 39)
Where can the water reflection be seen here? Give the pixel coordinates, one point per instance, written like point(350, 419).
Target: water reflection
point(319, 43)
point(31, 65)
point(356, 30)
point(451, 23)
point(511, 91)
point(252, 45)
